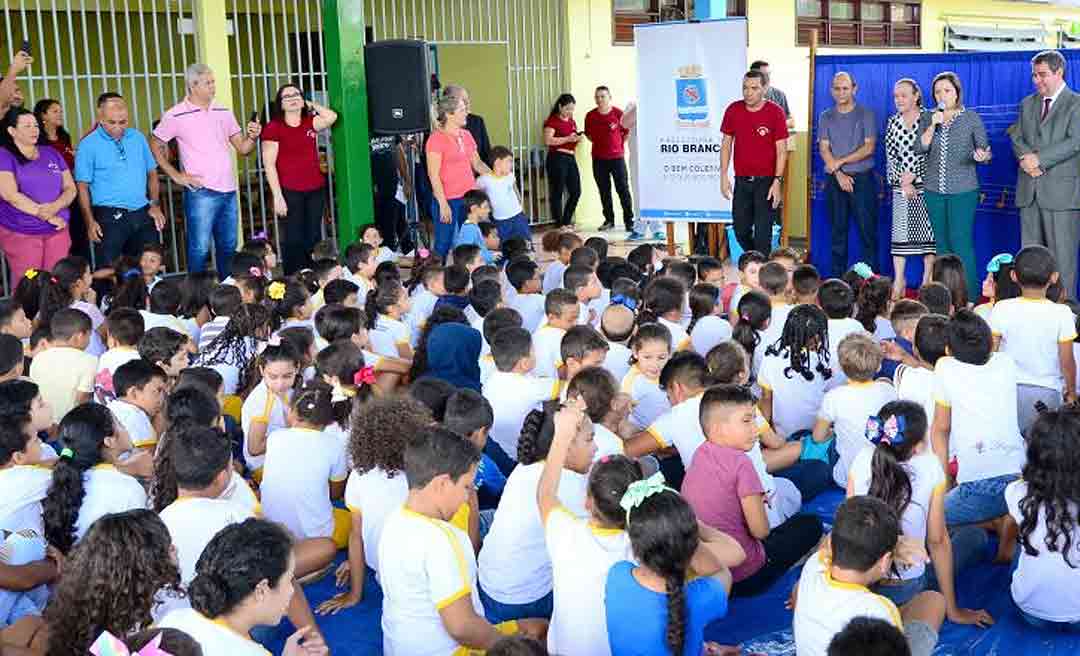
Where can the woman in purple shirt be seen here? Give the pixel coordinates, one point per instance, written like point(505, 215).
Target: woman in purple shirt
point(36, 189)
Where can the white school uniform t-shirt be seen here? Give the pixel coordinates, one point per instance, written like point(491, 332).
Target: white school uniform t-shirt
point(796, 401)
point(847, 408)
point(384, 254)
point(501, 194)
point(708, 332)
point(215, 638)
point(617, 360)
point(777, 319)
point(1044, 585)
point(581, 555)
point(193, 522)
point(838, 330)
point(108, 363)
point(156, 320)
point(679, 339)
point(598, 305)
point(985, 435)
point(108, 490)
point(927, 481)
point(826, 606)
point(607, 442)
point(388, 334)
point(373, 496)
point(487, 367)
point(22, 487)
point(135, 422)
point(515, 567)
point(512, 397)
point(426, 565)
point(240, 493)
point(650, 401)
point(255, 405)
point(547, 347)
point(680, 427)
point(883, 329)
point(1031, 331)
point(553, 276)
point(423, 304)
point(300, 465)
point(531, 309)
point(916, 384)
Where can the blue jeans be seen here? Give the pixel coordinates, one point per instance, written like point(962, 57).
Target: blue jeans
point(977, 501)
point(498, 612)
point(446, 232)
point(210, 213)
point(968, 544)
point(860, 203)
point(516, 226)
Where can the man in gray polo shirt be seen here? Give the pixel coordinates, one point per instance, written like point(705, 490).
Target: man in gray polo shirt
point(847, 135)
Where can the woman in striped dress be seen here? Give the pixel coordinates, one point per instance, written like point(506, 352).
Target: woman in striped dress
point(906, 167)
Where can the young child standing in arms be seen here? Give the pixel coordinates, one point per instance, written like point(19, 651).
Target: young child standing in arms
point(510, 219)
point(1038, 334)
point(725, 492)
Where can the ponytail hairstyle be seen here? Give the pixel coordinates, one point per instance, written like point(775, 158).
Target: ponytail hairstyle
point(873, 301)
point(754, 312)
point(131, 291)
point(650, 332)
point(423, 267)
point(663, 534)
point(345, 361)
point(190, 404)
point(608, 480)
point(56, 290)
point(537, 432)
point(662, 295)
point(110, 581)
point(562, 101)
point(726, 362)
point(1052, 475)
point(380, 299)
point(442, 314)
point(806, 331)
point(82, 432)
point(234, 563)
point(28, 292)
point(312, 405)
point(444, 106)
point(896, 432)
point(237, 343)
point(282, 351)
point(704, 297)
point(308, 278)
point(285, 297)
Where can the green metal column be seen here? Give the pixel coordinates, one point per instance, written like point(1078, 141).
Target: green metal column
point(343, 38)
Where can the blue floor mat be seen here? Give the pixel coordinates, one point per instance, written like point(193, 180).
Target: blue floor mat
point(760, 624)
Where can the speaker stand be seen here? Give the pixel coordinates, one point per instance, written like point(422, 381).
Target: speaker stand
point(412, 208)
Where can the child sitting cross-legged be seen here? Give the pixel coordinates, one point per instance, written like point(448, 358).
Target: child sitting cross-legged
point(834, 586)
point(431, 601)
point(900, 469)
point(726, 493)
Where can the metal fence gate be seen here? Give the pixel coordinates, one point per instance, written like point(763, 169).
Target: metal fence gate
point(82, 49)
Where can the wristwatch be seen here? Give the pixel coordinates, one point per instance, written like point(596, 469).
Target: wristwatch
point(778, 178)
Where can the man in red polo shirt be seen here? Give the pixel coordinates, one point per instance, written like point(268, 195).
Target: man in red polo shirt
point(759, 130)
point(604, 128)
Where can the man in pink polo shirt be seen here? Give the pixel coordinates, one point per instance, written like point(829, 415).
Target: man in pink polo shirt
point(204, 130)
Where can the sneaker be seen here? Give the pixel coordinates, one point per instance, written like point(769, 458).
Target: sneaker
point(606, 226)
point(635, 236)
point(659, 236)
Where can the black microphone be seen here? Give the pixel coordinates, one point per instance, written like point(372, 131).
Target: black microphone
point(940, 110)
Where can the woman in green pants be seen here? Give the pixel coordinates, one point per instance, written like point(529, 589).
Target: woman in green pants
point(955, 140)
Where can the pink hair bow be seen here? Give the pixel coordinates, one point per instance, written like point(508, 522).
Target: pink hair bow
point(365, 376)
point(109, 645)
point(424, 253)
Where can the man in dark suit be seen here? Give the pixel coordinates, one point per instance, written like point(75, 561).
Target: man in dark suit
point(1046, 141)
point(473, 123)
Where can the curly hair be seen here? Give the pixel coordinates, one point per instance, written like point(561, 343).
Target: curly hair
point(873, 301)
point(442, 314)
point(237, 344)
point(806, 331)
point(1052, 475)
point(83, 431)
point(380, 430)
point(235, 561)
point(110, 581)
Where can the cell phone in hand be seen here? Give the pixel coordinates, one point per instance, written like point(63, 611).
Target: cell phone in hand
point(26, 46)
point(254, 116)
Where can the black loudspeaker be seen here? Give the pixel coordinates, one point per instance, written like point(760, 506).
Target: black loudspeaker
point(398, 86)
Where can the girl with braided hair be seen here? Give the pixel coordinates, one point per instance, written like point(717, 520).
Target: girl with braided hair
point(795, 369)
point(233, 350)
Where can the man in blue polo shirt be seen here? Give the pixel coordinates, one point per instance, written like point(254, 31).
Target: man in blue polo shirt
point(118, 186)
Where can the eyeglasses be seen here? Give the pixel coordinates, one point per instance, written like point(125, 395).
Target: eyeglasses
point(120, 148)
point(292, 95)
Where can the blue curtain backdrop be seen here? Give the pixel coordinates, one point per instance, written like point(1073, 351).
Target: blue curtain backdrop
point(993, 85)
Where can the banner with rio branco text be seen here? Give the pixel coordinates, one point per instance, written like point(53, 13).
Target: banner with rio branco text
point(688, 73)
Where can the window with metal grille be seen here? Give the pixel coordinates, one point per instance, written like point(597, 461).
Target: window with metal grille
point(861, 23)
point(628, 13)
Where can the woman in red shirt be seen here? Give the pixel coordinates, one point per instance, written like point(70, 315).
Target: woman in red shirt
point(290, 154)
point(451, 159)
point(561, 136)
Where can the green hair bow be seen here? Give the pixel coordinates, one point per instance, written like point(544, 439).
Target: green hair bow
point(638, 491)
